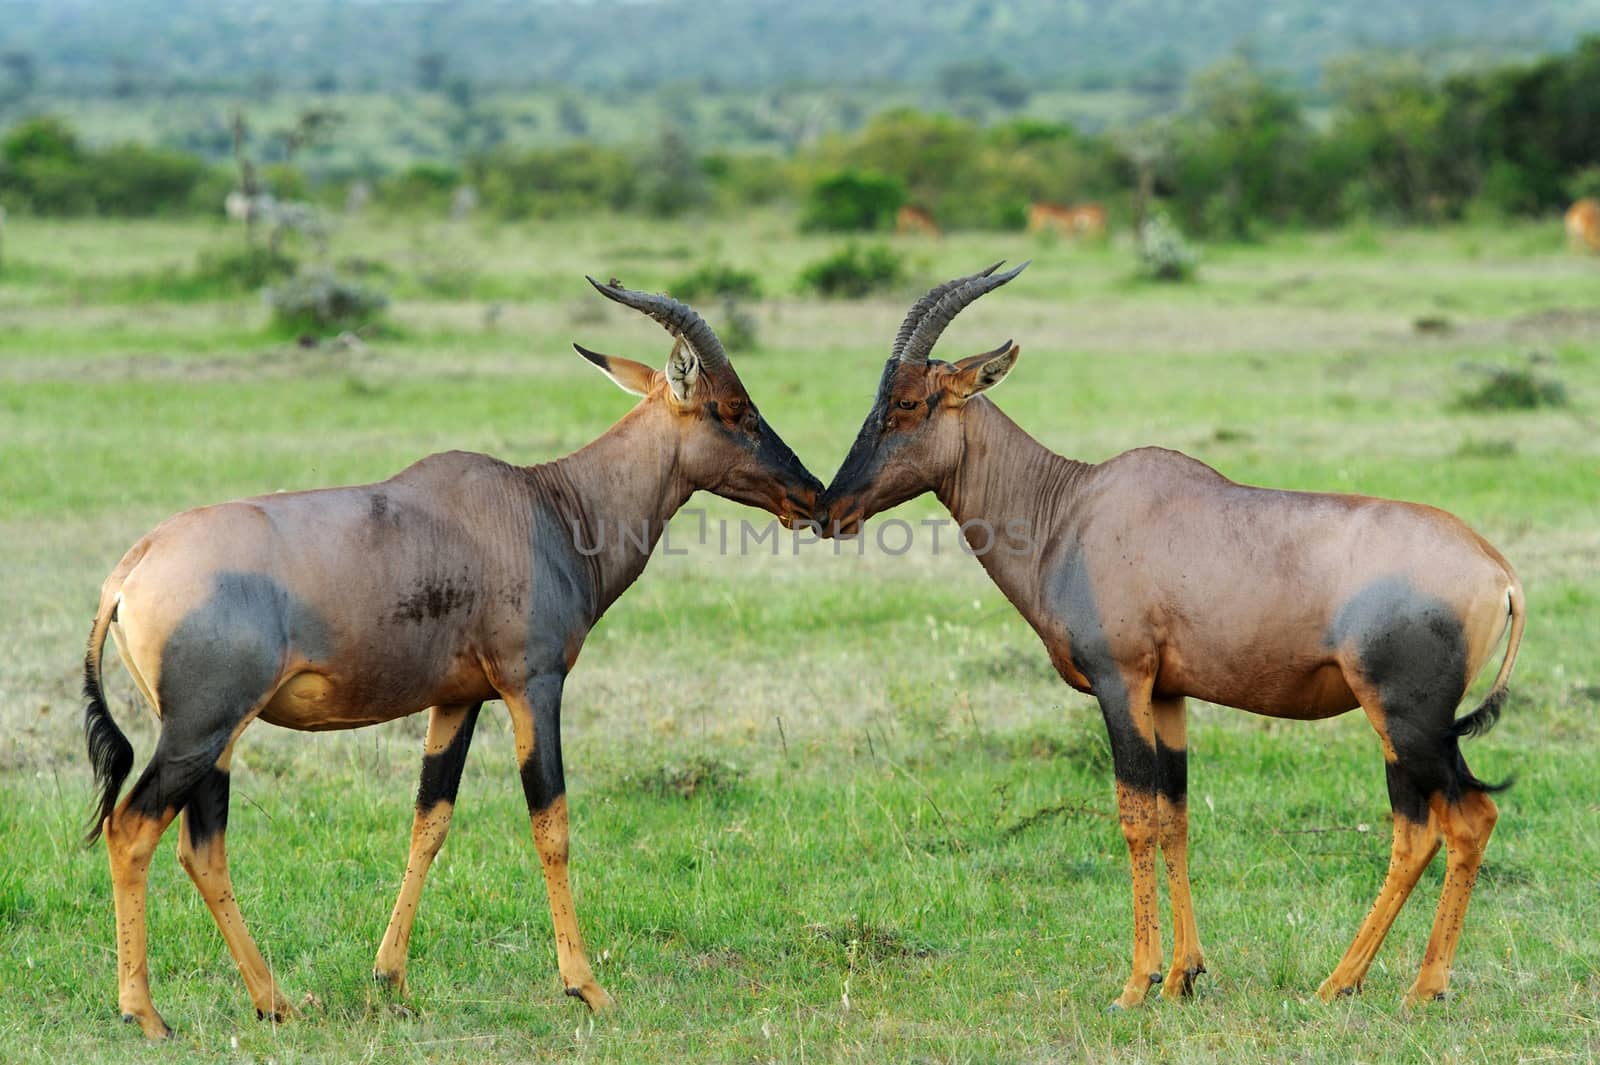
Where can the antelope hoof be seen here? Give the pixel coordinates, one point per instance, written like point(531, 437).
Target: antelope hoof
point(150, 1023)
point(1134, 994)
point(1332, 989)
point(392, 983)
point(593, 995)
point(1180, 982)
point(280, 1012)
point(1420, 997)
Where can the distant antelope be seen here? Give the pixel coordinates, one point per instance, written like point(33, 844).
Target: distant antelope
point(910, 220)
point(1082, 220)
point(460, 579)
point(1151, 577)
point(1583, 225)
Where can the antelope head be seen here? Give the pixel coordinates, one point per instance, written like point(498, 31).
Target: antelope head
point(912, 439)
point(723, 444)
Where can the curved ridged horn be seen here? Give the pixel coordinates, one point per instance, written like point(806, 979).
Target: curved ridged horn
point(920, 308)
point(946, 307)
point(677, 318)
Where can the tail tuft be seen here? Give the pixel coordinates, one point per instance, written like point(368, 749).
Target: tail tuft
point(110, 753)
point(1483, 718)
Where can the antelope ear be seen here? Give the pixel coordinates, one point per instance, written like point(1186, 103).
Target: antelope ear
point(683, 370)
point(629, 376)
point(979, 373)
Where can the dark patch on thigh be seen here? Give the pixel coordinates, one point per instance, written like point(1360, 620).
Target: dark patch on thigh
point(206, 813)
point(1412, 648)
point(377, 506)
point(222, 659)
point(441, 773)
point(226, 653)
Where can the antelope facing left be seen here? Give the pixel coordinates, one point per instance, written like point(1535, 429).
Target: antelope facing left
point(1151, 577)
point(459, 580)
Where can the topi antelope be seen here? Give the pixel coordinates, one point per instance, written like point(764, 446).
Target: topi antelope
point(911, 220)
point(1080, 220)
point(458, 580)
point(1151, 577)
point(1582, 221)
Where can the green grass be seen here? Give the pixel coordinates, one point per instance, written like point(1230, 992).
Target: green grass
point(894, 801)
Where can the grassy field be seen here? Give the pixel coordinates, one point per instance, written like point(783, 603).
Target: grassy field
point(825, 807)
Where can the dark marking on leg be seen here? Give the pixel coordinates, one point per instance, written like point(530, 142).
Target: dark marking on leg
point(441, 773)
point(206, 812)
point(543, 779)
point(1172, 772)
point(1404, 797)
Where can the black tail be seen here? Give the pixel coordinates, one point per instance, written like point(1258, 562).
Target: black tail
point(110, 753)
point(1477, 723)
point(1483, 718)
point(1465, 781)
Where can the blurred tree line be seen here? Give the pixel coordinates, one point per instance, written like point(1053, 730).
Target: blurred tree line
point(1242, 151)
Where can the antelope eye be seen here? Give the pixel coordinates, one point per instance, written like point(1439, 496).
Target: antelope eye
point(907, 404)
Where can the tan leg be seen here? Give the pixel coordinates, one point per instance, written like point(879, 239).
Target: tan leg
point(203, 854)
point(1467, 825)
point(1172, 807)
point(534, 722)
point(1414, 847)
point(1130, 724)
point(131, 839)
point(443, 757)
point(1138, 813)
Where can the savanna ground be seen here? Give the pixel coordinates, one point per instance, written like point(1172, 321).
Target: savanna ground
point(824, 807)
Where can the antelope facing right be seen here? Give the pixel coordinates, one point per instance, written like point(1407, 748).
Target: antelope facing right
point(1151, 577)
point(458, 580)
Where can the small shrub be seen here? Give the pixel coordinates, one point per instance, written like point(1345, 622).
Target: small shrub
point(319, 301)
point(242, 271)
point(851, 201)
point(739, 330)
point(700, 774)
point(854, 272)
point(1513, 388)
point(1473, 448)
point(717, 279)
point(1163, 253)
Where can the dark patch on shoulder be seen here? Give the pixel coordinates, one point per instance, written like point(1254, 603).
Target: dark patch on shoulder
point(377, 506)
point(562, 597)
point(434, 598)
point(1070, 598)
